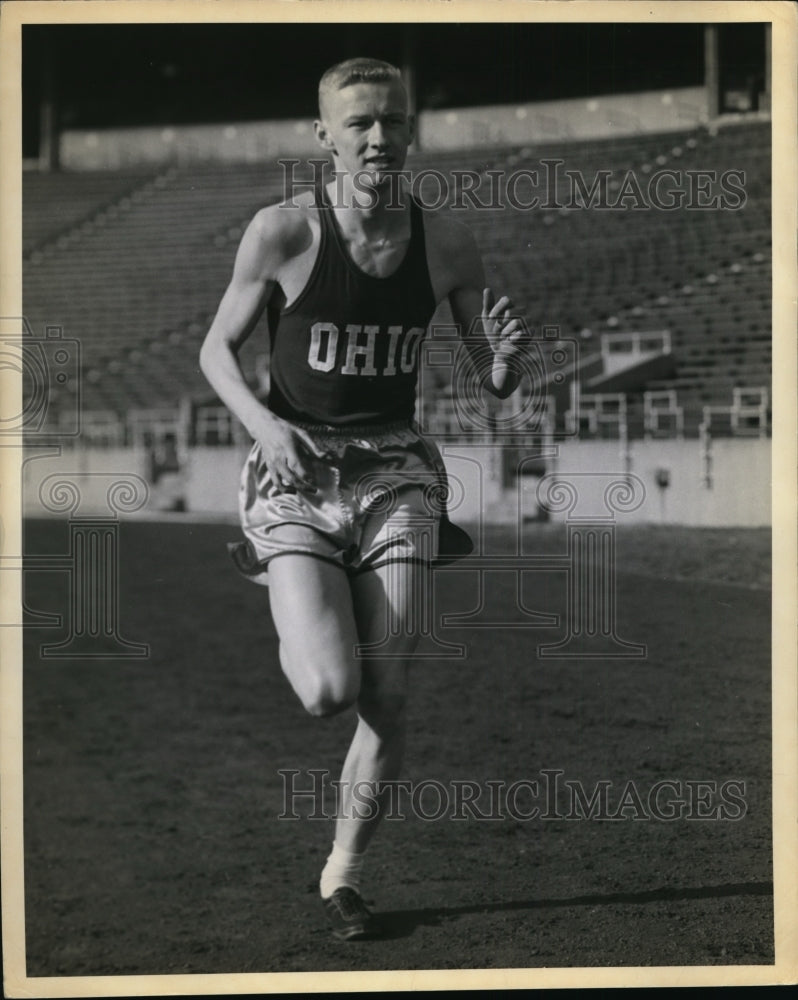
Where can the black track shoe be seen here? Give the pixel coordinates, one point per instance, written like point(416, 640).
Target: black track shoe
point(350, 918)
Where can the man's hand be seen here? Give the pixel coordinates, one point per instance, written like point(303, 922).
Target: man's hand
point(288, 453)
point(504, 332)
point(507, 337)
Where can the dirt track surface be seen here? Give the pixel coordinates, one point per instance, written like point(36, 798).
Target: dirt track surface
point(152, 787)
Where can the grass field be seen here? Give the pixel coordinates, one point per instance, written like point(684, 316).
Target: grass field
point(152, 786)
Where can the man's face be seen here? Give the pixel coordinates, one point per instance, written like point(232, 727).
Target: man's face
point(367, 128)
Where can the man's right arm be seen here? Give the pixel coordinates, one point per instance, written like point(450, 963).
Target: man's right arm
point(253, 280)
point(264, 249)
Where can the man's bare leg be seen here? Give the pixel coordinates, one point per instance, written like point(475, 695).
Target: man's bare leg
point(312, 610)
point(377, 749)
point(320, 621)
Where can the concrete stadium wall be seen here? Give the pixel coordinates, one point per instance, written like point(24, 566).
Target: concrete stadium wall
point(732, 489)
point(212, 478)
point(207, 482)
point(578, 118)
point(82, 483)
point(456, 128)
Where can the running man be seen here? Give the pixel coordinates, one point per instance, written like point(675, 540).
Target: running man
point(350, 275)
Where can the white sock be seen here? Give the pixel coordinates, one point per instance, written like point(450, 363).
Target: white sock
point(342, 869)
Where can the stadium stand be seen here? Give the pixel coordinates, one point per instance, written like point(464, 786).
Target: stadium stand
point(133, 265)
point(57, 204)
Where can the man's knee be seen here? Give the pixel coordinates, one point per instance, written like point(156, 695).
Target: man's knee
point(327, 700)
point(324, 689)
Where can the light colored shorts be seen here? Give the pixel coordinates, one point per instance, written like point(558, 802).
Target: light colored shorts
point(381, 499)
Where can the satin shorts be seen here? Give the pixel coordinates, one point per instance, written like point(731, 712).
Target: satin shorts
point(381, 498)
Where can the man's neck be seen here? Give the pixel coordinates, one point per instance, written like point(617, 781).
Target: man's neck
point(370, 215)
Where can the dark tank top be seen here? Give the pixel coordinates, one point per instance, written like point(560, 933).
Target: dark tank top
point(345, 352)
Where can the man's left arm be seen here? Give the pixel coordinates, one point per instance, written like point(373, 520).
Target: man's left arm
point(493, 336)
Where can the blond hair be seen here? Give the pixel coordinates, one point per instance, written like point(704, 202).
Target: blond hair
point(358, 70)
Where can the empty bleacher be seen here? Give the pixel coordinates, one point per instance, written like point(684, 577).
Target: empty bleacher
point(58, 204)
point(134, 264)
